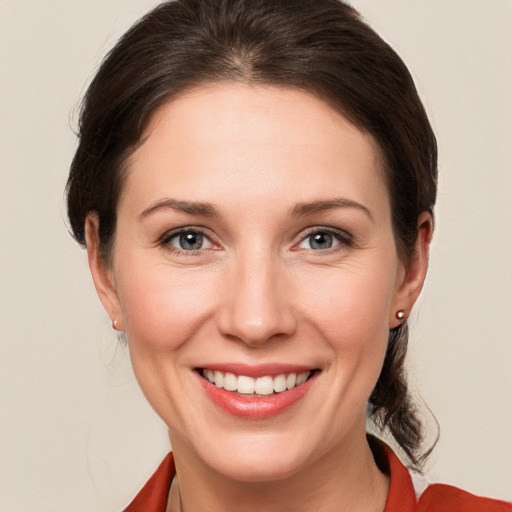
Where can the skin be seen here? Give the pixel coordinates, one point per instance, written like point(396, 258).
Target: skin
point(258, 291)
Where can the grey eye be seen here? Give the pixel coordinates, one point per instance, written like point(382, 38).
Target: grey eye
point(189, 241)
point(320, 241)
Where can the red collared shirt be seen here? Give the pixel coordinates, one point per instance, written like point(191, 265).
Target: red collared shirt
point(401, 495)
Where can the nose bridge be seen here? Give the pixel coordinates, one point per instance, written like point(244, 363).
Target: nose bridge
point(257, 306)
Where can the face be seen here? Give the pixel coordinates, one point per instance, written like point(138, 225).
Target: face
point(254, 249)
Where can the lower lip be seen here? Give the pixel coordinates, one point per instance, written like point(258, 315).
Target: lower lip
point(253, 407)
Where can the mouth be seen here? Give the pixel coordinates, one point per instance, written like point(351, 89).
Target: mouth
point(263, 386)
point(262, 394)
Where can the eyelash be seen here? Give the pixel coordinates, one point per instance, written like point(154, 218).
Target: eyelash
point(167, 237)
point(343, 238)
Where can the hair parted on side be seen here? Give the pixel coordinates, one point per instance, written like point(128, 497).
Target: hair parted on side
point(319, 46)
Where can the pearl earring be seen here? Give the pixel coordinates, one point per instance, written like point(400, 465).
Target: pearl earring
point(400, 315)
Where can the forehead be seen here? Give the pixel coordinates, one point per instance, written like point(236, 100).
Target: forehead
point(219, 140)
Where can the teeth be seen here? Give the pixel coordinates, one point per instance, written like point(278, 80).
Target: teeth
point(245, 385)
point(266, 385)
point(230, 382)
point(301, 378)
point(280, 383)
point(219, 379)
point(291, 380)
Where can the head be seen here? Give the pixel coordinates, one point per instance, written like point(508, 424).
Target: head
point(188, 55)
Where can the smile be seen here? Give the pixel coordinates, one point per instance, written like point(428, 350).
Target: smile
point(263, 386)
point(266, 392)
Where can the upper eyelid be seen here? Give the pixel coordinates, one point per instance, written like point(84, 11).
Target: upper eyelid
point(165, 239)
point(341, 234)
point(325, 229)
point(186, 229)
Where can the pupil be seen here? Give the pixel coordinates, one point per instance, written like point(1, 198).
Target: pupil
point(321, 241)
point(191, 241)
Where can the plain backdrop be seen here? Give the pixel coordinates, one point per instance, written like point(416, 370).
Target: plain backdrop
point(75, 433)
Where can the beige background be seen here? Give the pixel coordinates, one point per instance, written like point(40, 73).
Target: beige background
point(75, 433)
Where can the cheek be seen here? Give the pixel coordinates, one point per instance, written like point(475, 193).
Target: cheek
point(162, 307)
point(351, 305)
point(351, 312)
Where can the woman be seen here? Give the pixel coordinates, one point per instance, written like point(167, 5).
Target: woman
point(255, 184)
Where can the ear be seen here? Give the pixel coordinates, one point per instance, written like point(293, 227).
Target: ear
point(102, 274)
point(412, 277)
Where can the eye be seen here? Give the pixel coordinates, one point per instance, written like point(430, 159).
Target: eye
point(323, 240)
point(187, 241)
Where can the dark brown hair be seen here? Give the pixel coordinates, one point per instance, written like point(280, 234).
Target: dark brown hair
point(320, 46)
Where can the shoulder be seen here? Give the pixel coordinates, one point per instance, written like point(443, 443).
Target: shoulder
point(406, 495)
point(446, 498)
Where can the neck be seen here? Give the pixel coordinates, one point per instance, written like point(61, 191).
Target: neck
point(345, 479)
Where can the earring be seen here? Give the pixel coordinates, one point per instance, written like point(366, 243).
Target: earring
point(114, 325)
point(400, 315)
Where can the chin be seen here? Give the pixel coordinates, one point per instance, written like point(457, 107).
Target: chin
point(260, 458)
point(262, 468)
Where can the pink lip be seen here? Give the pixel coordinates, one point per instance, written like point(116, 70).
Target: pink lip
point(253, 407)
point(259, 370)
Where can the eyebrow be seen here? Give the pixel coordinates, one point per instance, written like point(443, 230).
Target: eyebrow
point(302, 209)
point(210, 210)
point(190, 207)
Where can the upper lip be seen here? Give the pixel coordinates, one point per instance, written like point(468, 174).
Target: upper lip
point(257, 370)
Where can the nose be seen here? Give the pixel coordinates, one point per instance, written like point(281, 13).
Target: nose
point(257, 304)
